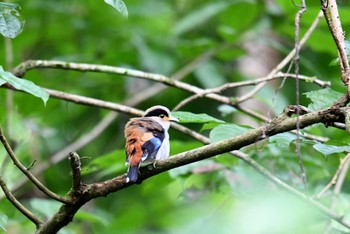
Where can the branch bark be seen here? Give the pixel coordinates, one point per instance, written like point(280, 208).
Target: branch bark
point(331, 14)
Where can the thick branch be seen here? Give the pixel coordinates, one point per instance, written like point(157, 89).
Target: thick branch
point(280, 124)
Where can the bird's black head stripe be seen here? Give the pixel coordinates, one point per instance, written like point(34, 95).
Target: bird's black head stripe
point(156, 112)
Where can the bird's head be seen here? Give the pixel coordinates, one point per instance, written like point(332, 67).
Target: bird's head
point(161, 114)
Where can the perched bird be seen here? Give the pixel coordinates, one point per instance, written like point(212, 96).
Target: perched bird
point(147, 139)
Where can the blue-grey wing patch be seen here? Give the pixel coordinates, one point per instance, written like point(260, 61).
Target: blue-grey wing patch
point(151, 147)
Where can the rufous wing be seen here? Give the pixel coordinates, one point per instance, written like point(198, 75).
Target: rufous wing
point(144, 137)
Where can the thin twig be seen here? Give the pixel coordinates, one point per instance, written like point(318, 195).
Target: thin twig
point(337, 188)
point(284, 62)
point(31, 64)
point(29, 175)
point(280, 183)
point(297, 90)
point(250, 82)
point(19, 205)
point(334, 178)
point(93, 102)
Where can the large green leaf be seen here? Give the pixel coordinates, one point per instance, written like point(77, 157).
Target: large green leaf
point(331, 149)
point(226, 131)
point(119, 5)
point(283, 140)
point(322, 98)
point(10, 25)
point(188, 117)
point(22, 84)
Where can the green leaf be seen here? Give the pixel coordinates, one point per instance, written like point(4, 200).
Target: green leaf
point(208, 126)
point(226, 131)
point(322, 98)
point(330, 149)
point(22, 84)
point(10, 25)
point(119, 5)
point(283, 140)
point(188, 117)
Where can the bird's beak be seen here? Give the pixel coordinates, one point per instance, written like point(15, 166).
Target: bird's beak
point(173, 119)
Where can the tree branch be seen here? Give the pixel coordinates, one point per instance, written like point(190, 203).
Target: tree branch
point(331, 14)
point(280, 124)
point(285, 61)
point(334, 179)
point(107, 120)
point(76, 167)
point(29, 175)
point(257, 81)
point(31, 64)
point(297, 89)
point(19, 205)
point(328, 212)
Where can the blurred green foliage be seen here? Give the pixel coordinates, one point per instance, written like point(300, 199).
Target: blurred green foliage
point(221, 194)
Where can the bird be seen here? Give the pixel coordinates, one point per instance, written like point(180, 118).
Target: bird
point(147, 140)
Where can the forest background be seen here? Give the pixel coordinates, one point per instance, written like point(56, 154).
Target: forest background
point(226, 68)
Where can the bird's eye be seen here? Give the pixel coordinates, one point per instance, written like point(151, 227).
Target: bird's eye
point(161, 116)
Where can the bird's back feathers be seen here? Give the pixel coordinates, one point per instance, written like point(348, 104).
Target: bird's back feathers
point(144, 137)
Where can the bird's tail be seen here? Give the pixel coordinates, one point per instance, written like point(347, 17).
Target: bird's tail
point(133, 174)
